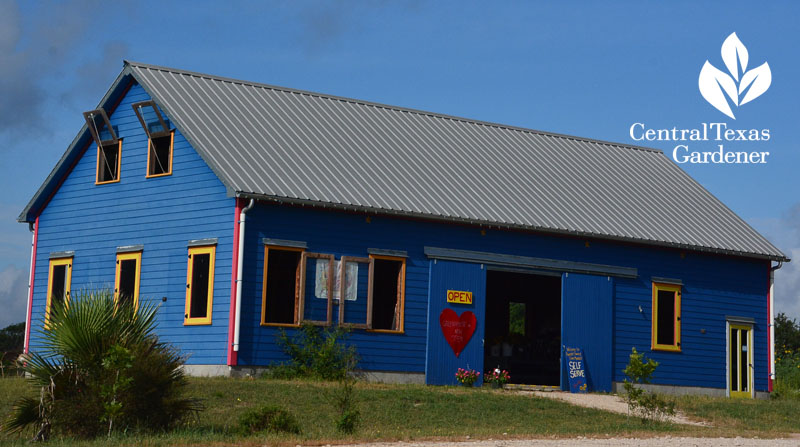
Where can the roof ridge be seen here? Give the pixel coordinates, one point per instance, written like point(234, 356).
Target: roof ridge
point(392, 107)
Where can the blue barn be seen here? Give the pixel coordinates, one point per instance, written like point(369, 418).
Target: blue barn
point(243, 208)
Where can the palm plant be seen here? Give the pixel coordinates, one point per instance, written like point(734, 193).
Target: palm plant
point(100, 366)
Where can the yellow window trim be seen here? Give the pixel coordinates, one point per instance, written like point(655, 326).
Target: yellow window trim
point(211, 251)
point(402, 291)
point(68, 284)
point(119, 166)
point(296, 287)
point(137, 256)
point(741, 394)
point(677, 322)
point(149, 144)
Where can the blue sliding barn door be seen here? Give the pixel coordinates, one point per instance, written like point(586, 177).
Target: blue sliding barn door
point(441, 362)
point(587, 323)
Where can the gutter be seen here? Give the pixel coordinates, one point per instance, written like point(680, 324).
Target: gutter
point(771, 326)
point(236, 303)
point(34, 229)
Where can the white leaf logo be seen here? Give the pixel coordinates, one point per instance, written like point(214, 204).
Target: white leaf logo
point(714, 84)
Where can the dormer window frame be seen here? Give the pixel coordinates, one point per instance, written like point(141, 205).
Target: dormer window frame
point(104, 146)
point(93, 129)
point(137, 107)
point(156, 141)
point(113, 167)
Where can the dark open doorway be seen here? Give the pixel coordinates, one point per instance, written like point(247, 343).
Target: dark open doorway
point(523, 326)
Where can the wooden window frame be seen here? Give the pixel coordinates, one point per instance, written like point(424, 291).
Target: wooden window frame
point(401, 291)
point(169, 161)
point(90, 123)
point(197, 321)
point(67, 285)
point(119, 163)
point(150, 103)
point(301, 300)
point(676, 346)
point(298, 283)
point(342, 290)
point(137, 256)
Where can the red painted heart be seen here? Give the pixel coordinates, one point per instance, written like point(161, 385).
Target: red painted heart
point(457, 330)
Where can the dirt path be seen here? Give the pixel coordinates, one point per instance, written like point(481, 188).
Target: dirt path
point(605, 402)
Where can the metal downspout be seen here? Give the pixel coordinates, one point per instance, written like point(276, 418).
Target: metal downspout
point(34, 229)
point(771, 332)
point(239, 268)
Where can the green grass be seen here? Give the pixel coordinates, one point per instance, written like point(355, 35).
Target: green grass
point(405, 412)
point(745, 417)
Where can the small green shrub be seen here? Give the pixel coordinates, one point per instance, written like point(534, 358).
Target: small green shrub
point(648, 405)
point(315, 352)
point(100, 367)
point(787, 373)
point(11, 344)
point(348, 421)
point(344, 400)
point(284, 371)
point(271, 419)
point(787, 334)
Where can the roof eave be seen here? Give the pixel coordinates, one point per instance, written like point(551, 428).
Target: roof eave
point(564, 232)
point(33, 208)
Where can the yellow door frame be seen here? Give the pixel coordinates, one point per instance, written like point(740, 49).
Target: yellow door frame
point(737, 344)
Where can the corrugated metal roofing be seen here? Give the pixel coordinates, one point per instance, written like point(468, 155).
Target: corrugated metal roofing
point(297, 146)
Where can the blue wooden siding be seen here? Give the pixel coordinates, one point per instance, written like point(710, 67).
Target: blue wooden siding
point(587, 323)
point(441, 362)
point(715, 286)
point(162, 214)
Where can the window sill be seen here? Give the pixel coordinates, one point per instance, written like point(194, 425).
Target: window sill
point(279, 325)
point(666, 348)
point(386, 331)
point(166, 174)
point(203, 322)
point(106, 183)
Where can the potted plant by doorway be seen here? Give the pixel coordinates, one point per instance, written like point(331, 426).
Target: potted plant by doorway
point(467, 377)
point(497, 377)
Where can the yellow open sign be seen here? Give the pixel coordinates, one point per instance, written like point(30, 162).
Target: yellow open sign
point(459, 297)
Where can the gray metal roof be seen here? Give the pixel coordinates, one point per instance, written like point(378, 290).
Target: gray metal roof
point(297, 146)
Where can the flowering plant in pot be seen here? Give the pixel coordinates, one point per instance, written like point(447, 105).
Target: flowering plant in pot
point(497, 377)
point(467, 377)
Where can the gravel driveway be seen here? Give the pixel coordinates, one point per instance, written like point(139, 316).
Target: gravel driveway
point(611, 442)
point(607, 402)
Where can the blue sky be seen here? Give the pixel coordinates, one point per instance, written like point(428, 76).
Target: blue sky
point(588, 69)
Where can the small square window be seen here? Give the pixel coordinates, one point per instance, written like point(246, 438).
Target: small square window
point(666, 317)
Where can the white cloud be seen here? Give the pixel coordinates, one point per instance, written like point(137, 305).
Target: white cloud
point(784, 232)
point(13, 295)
